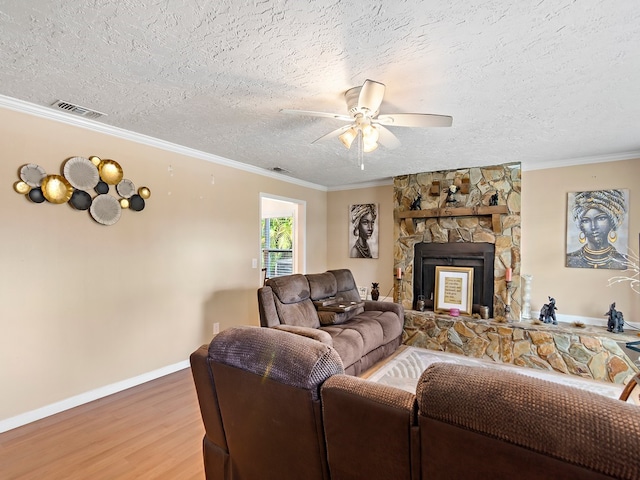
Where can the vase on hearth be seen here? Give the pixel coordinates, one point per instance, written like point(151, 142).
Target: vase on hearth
point(375, 293)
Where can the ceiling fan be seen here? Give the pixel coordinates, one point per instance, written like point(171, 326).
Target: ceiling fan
point(366, 126)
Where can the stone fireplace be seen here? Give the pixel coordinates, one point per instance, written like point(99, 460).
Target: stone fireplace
point(460, 227)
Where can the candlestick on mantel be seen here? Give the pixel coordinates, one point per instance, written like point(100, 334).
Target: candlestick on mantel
point(508, 274)
point(399, 273)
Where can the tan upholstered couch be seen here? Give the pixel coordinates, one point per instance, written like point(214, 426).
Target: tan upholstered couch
point(278, 406)
point(327, 307)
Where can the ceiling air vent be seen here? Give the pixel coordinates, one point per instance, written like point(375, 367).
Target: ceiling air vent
point(77, 109)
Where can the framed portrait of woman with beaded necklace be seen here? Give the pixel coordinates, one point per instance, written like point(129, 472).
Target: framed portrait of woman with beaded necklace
point(363, 230)
point(597, 229)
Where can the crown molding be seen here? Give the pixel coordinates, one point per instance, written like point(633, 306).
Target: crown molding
point(572, 162)
point(356, 186)
point(95, 126)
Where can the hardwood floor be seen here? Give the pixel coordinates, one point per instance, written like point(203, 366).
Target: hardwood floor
point(152, 431)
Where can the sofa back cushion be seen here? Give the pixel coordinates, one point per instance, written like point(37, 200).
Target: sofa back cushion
point(346, 285)
point(474, 421)
point(281, 356)
point(355, 409)
point(291, 296)
point(322, 285)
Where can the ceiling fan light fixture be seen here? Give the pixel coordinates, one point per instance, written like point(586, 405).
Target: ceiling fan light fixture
point(369, 147)
point(348, 137)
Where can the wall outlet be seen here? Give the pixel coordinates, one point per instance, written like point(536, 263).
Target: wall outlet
point(216, 328)
point(254, 263)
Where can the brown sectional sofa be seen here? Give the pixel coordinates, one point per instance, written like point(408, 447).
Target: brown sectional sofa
point(364, 333)
point(278, 406)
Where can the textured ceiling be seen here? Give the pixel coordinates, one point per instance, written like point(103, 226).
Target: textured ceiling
point(535, 82)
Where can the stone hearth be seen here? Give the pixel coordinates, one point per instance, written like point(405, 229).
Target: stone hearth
point(589, 352)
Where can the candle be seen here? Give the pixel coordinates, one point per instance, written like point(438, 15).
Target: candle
point(399, 273)
point(507, 275)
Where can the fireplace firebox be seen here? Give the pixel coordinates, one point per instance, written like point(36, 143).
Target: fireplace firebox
point(480, 256)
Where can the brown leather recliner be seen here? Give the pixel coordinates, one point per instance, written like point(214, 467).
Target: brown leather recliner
point(259, 393)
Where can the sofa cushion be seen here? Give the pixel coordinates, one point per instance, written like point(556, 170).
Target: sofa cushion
point(346, 285)
point(347, 342)
point(363, 333)
point(322, 285)
point(292, 300)
point(388, 321)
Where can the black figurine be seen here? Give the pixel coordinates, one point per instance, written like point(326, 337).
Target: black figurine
point(375, 293)
point(416, 203)
point(616, 320)
point(548, 311)
point(493, 201)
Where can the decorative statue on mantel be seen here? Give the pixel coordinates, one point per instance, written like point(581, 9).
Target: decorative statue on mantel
point(616, 320)
point(416, 203)
point(493, 201)
point(450, 194)
point(548, 312)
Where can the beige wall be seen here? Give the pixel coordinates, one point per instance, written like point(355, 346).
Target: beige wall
point(85, 305)
point(581, 292)
point(365, 270)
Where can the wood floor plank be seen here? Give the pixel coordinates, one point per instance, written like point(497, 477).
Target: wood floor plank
point(151, 431)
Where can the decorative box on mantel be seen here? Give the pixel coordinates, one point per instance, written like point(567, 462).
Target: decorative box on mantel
point(589, 352)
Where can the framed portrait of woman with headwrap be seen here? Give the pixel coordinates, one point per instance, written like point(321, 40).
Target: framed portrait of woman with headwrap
point(597, 229)
point(363, 230)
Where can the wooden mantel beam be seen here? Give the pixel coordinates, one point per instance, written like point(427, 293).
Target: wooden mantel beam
point(453, 212)
point(493, 211)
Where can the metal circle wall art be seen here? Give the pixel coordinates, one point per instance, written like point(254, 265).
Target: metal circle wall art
point(56, 189)
point(110, 172)
point(80, 178)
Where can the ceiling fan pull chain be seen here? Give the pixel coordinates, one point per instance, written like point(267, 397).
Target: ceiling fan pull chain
point(360, 144)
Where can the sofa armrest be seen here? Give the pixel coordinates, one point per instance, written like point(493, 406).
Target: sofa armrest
point(379, 306)
point(267, 308)
point(314, 333)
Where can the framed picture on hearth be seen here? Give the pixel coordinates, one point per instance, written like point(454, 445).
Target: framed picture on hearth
point(454, 289)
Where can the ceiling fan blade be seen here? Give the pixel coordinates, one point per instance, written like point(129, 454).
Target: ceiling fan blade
point(423, 120)
point(309, 113)
point(335, 133)
point(388, 139)
point(371, 95)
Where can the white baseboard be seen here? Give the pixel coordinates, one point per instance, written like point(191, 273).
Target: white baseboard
point(68, 403)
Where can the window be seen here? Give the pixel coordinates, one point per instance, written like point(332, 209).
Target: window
point(282, 236)
point(277, 246)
